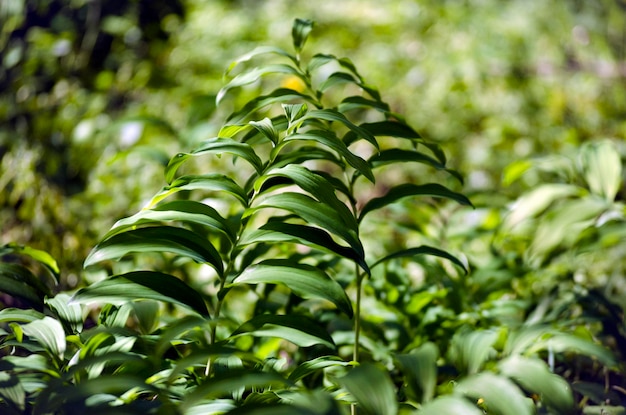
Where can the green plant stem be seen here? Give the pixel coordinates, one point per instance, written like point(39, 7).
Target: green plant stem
point(357, 316)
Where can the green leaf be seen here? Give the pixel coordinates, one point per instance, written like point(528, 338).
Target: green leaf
point(71, 314)
point(254, 74)
point(304, 280)
point(498, 394)
point(330, 140)
point(210, 182)
point(300, 33)
point(386, 129)
point(338, 78)
point(420, 370)
point(279, 95)
point(450, 405)
point(335, 116)
point(277, 231)
point(38, 255)
point(143, 285)
point(317, 186)
point(314, 212)
point(187, 211)
point(537, 200)
point(261, 50)
point(407, 189)
point(534, 376)
point(421, 250)
point(49, 333)
point(396, 155)
point(17, 315)
point(217, 146)
point(564, 342)
point(299, 330)
point(358, 102)
point(372, 389)
point(229, 382)
point(12, 391)
point(18, 281)
point(470, 350)
point(266, 128)
point(311, 366)
point(157, 239)
point(602, 168)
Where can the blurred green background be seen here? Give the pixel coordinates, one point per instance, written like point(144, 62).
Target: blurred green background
point(95, 96)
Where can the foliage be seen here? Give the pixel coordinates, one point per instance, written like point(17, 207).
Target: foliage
point(311, 276)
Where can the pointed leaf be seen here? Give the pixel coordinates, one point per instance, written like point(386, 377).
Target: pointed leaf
point(49, 333)
point(602, 167)
point(304, 280)
point(396, 155)
point(420, 370)
point(279, 95)
point(330, 140)
point(15, 280)
point(254, 74)
point(36, 254)
point(276, 232)
point(300, 32)
point(217, 146)
point(450, 405)
point(534, 376)
point(314, 212)
point(71, 314)
point(17, 315)
point(358, 102)
point(421, 250)
point(469, 351)
point(537, 200)
point(316, 185)
point(562, 342)
point(405, 190)
point(314, 365)
point(187, 211)
point(266, 128)
point(386, 129)
point(12, 391)
point(157, 239)
point(140, 285)
point(335, 116)
point(299, 330)
point(261, 50)
point(211, 182)
point(372, 389)
point(499, 394)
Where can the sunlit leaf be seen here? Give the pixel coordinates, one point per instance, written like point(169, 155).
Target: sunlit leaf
point(421, 250)
point(209, 182)
point(157, 239)
point(386, 129)
point(217, 146)
point(406, 190)
point(187, 211)
point(38, 255)
point(70, 314)
point(299, 330)
point(537, 200)
point(500, 395)
point(12, 391)
point(602, 167)
point(315, 365)
point(534, 376)
point(397, 155)
point(49, 333)
point(304, 280)
point(314, 212)
point(450, 405)
point(10, 315)
point(277, 232)
point(330, 140)
point(372, 389)
point(470, 350)
point(230, 382)
point(335, 116)
point(261, 50)
point(254, 74)
point(561, 342)
point(280, 95)
point(358, 102)
point(17, 281)
point(143, 285)
point(420, 370)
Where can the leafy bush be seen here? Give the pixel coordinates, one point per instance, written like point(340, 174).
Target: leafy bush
point(285, 283)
